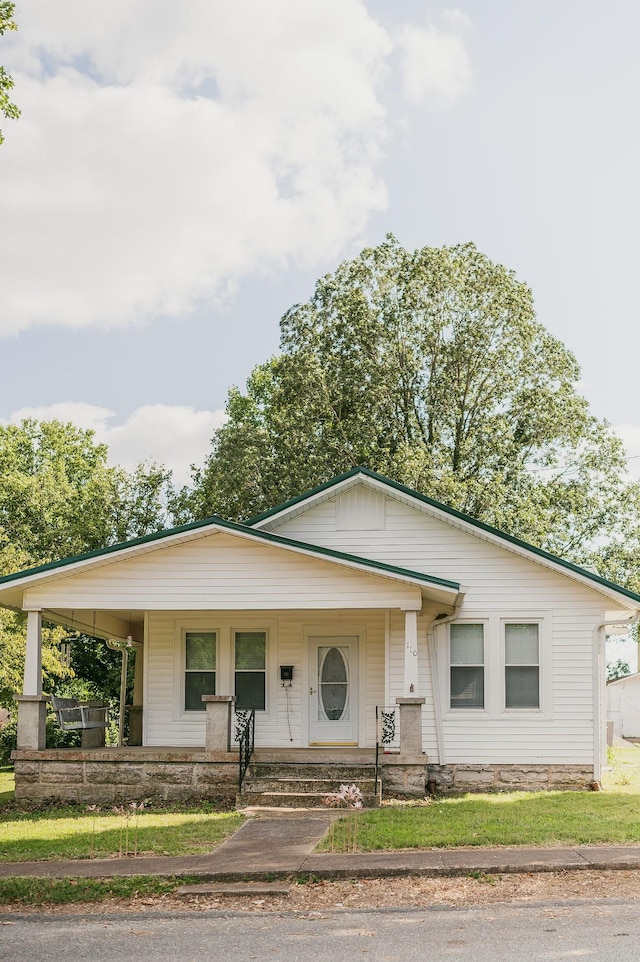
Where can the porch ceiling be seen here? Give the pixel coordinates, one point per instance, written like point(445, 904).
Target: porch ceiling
point(99, 624)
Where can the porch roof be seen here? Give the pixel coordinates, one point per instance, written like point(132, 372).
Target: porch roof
point(16, 588)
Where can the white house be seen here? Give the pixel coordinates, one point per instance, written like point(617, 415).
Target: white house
point(360, 594)
point(623, 706)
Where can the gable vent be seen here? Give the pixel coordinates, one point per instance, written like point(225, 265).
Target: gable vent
point(360, 509)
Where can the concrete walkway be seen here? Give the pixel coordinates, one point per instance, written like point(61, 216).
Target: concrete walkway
point(277, 844)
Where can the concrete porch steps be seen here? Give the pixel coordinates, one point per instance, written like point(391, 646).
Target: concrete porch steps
point(296, 785)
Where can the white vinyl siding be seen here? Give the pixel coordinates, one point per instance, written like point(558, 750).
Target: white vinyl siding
point(223, 583)
point(222, 572)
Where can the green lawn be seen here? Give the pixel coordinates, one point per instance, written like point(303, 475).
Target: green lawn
point(77, 833)
point(46, 891)
point(516, 818)
point(519, 818)
point(7, 785)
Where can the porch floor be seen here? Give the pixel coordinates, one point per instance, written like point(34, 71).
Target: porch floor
point(138, 753)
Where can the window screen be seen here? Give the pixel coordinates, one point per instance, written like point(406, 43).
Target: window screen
point(467, 666)
point(200, 668)
point(250, 669)
point(522, 666)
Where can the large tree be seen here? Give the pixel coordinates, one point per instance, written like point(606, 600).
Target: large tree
point(58, 497)
point(430, 367)
point(7, 107)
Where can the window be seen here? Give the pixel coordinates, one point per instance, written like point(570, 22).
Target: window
point(250, 669)
point(467, 666)
point(522, 666)
point(200, 668)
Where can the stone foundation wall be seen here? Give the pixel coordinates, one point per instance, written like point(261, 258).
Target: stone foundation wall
point(114, 778)
point(401, 777)
point(76, 776)
point(508, 778)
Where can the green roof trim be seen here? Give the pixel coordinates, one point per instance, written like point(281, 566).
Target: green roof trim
point(459, 515)
point(110, 549)
point(248, 528)
point(329, 553)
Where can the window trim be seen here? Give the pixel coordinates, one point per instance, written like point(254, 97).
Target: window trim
point(187, 671)
point(494, 663)
point(450, 709)
point(268, 668)
point(180, 628)
point(522, 620)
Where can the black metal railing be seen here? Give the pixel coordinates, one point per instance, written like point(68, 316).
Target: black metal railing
point(245, 736)
point(387, 732)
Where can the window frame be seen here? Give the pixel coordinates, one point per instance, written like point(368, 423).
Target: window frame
point(196, 630)
point(494, 621)
point(504, 623)
point(471, 709)
point(266, 671)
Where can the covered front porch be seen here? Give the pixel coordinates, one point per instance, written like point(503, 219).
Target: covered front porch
point(361, 713)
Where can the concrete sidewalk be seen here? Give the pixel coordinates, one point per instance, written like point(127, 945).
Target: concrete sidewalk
point(279, 844)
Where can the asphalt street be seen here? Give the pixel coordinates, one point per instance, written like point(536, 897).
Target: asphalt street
point(599, 930)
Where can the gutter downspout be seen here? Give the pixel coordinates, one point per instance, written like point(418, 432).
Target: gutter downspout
point(599, 733)
point(433, 664)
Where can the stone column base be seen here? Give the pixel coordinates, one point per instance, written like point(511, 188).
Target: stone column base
point(32, 716)
point(410, 725)
point(218, 722)
point(135, 725)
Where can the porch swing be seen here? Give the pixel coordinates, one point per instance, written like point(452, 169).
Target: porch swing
point(73, 715)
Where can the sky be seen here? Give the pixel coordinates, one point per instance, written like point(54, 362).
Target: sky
point(182, 173)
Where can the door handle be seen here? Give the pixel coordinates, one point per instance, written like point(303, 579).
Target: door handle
point(312, 691)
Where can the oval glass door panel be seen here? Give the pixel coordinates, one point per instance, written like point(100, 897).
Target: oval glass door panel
point(334, 684)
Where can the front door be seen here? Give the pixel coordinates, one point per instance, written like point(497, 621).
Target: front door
point(333, 690)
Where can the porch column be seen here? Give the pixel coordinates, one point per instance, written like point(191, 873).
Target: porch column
point(410, 653)
point(135, 710)
point(33, 658)
point(32, 704)
point(410, 725)
point(218, 722)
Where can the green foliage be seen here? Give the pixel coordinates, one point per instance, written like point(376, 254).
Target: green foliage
point(8, 734)
point(7, 108)
point(431, 368)
point(12, 651)
point(617, 669)
point(7, 782)
point(59, 497)
point(55, 737)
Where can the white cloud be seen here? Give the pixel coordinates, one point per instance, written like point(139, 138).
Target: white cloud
point(630, 436)
point(167, 151)
point(173, 435)
point(435, 63)
point(164, 152)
